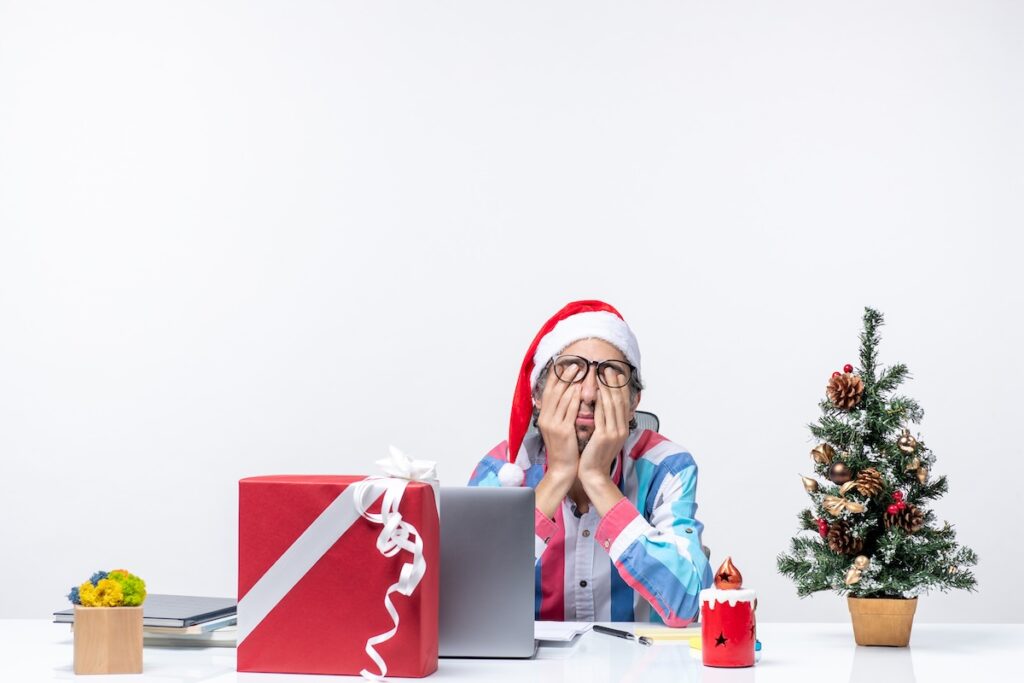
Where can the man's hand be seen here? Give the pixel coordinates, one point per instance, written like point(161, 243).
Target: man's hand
point(611, 429)
point(557, 424)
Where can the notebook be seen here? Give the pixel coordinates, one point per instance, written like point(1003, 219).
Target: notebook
point(560, 631)
point(666, 633)
point(171, 610)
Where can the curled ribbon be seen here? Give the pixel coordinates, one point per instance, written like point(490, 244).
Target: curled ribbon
point(835, 505)
point(395, 536)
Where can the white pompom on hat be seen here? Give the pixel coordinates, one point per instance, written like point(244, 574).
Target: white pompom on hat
point(511, 474)
point(578, 320)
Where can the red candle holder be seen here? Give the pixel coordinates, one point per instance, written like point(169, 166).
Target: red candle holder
point(728, 626)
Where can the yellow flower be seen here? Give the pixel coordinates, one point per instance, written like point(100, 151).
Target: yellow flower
point(109, 593)
point(106, 593)
point(87, 594)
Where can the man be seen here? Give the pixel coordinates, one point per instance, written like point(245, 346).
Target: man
point(616, 532)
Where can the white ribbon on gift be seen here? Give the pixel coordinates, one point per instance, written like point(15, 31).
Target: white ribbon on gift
point(330, 525)
point(401, 466)
point(395, 536)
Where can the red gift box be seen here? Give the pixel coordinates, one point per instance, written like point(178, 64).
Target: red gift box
point(318, 621)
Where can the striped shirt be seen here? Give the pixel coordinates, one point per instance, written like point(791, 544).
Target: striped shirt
point(645, 553)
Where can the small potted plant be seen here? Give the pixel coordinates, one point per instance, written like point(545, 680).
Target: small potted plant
point(108, 623)
point(871, 535)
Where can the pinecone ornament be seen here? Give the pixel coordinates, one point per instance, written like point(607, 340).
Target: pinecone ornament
point(910, 519)
point(869, 482)
point(841, 541)
point(845, 390)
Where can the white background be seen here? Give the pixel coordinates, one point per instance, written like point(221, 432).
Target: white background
point(254, 238)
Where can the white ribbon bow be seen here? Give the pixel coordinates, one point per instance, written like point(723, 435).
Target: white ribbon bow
point(396, 534)
point(402, 466)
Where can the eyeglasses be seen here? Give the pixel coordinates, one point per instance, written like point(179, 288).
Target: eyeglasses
point(565, 365)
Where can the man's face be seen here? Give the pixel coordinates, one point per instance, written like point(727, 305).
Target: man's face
point(595, 350)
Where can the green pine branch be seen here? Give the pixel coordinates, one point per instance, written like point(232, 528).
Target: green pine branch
point(807, 520)
point(869, 341)
point(891, 378)
point(932, 490)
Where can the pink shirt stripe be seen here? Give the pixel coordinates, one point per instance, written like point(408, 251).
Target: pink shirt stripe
point(552, 601)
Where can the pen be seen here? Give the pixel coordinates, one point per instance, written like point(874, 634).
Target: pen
point(643, 640)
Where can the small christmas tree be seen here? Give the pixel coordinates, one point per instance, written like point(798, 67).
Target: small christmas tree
point(874, 536)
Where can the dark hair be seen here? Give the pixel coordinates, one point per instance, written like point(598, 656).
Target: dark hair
point(635, 385)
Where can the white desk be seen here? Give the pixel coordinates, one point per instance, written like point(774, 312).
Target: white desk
point(38, 650)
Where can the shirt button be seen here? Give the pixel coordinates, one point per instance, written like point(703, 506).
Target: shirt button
point(586, 532)
point(583, 583)
point(689, 530)
point(607, 544)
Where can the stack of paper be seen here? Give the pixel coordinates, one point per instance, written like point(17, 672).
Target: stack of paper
point(224, 636)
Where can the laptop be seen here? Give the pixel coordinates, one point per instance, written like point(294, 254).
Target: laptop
point(487, 572)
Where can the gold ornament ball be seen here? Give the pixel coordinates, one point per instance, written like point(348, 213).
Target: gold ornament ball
point(922, 475)
point(906, 442)
point(852, 576)
point(861, 562)
point(823, 453)
point(913, 464)
point(839, 473)
point(810, 485)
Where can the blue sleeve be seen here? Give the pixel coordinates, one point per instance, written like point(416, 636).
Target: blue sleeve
point(659, 553)
point(486, 473)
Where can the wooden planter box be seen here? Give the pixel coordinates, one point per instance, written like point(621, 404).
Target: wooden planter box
point(880, 621)
point(108, 640)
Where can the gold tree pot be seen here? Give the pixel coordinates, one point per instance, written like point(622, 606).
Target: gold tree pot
point(108, 640)
point(882, 621)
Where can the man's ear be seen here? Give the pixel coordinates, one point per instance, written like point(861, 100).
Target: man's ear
point(636, 401)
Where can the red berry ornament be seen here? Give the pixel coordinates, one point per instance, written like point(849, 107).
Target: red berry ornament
point(847, 368)
point(822, 528)
point(901, 505)
point(897, 496)
point(836, 373)
point(892, 509)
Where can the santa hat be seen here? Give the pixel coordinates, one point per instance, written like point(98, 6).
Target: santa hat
point(576, 321)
